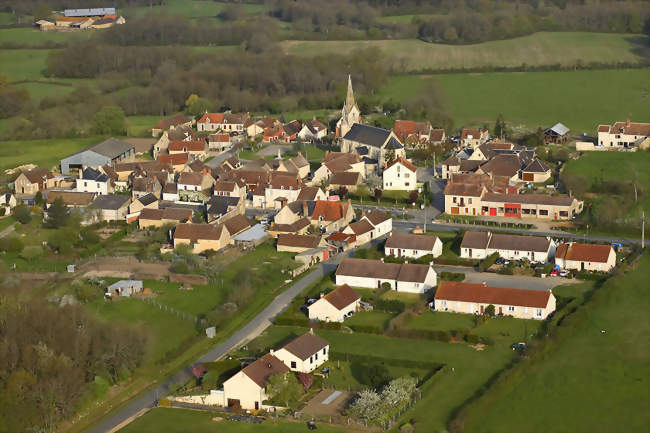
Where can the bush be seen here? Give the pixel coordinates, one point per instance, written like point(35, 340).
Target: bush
point(374, 374)
point(390, 305)
point(3, 211)
point(490, 310)
point(471, 338)
point(31, 252)
point(487, 262)
point(367, 329)
point(592, 276)
point(23, 214)
point(421, 334)
point(451, 276)
point(11, 244)
point(180, 267)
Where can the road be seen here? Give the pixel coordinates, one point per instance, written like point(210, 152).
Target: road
point(214, 162)
point(251, 330)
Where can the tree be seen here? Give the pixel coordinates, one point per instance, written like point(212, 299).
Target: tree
point(342, 191)
point(38, 198)
point(490, 310)
point(374, 374)
point(23, 214)
point(368, 406)
point(399, 390)
point(196, 106)
point(284, 388)
point(42, 12)
point(110, 120)
point(413, 196)
point(378, 194)
point(31, 252)
point(61, 240)
point(11, 244)
point(390, 157)
point(500, 126)
point(57, 214)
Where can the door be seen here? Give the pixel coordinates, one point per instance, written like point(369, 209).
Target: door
point(473, 211)
point(233, 402)
point(493, 211)
point(257, 405)
point(399, 252)
point(500, 311)
point(454, 211)
point(582, 266)
point(379, 284)
point(470, 252)
point(482, 309)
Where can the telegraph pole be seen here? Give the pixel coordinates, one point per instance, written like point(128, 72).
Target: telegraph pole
point(642, 229)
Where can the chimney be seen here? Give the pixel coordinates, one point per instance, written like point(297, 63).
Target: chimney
point(382, 260)
point(305, 209)
point(363, 212)
point(430, 263)
point(322, 294)
point(311, 330)
point(271, 351)
point(484, 283)
point(628, 123)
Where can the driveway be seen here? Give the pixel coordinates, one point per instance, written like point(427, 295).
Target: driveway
point(214, 162)
point(510, 281)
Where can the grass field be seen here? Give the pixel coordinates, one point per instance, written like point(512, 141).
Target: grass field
point(41, 152)
point(582, 374)
point(30, 36)
point(189, 9)
point(535, 99)
point(140, 126)
point(23, 64)
point(39, 90)
point(538, 49)
point(179, 420)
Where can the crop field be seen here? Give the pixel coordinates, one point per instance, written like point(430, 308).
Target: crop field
point(535, 50)
point(574, 383)
point(533, 99)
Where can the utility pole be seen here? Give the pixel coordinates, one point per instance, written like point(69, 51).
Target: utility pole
point(642, 229)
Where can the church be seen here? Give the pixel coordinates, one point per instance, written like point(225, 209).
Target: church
point(371, 143)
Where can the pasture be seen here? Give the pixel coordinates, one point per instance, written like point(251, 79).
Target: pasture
point(538, 49)
point(531, 99)
point(46, 152)
point(32, 37)
point(581, 373)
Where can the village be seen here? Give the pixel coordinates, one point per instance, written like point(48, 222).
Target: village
point(468, 256)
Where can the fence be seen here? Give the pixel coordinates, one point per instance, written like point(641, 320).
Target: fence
point(168, 309)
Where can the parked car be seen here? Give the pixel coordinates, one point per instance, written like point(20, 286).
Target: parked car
point(520, 347)
point(499, 261)
point(554, 273)
point(564, 273)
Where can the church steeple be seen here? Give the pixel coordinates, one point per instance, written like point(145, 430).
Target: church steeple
point(349, 99)
point(350, 113)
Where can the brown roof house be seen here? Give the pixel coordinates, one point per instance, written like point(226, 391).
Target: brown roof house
point(146, 185)
point(34, 180)
point(170, 123)
point(159, 217)
point(304, 354)
point(338, 304)
point(201, 237)
point(336, 162)
point(469, 298)
point(348, 180)
point(111, 207)
point(294, 243)
point(362, 230)
point(474, 137)
point(372, 274)
point(585, 257)
point(623, 135)
point(412, 246)
point(70, 198)
point(195, 187)
point(479, 245)
point(413, 134)
point(332, 215)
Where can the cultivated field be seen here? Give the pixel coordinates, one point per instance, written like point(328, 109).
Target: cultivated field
point(533, 99)
point(534, 50)
point(583, 373)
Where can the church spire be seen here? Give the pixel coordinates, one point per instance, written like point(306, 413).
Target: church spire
point(349, 99)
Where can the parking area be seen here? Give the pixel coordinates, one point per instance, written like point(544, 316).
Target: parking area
point(511, 281)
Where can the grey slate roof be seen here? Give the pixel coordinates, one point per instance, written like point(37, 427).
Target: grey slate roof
point(91, 12)
point(559, 129)
point(394, 143)
point(218, 205)
point(147, 199)
point(536, 166)
point(92, 174)
point(110, 202)
point(368, 135)
point(110, 148)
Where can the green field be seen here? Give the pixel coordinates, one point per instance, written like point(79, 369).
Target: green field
point(180, 420)
point(575, 383)
point(535, 99)
point(31, 36)
point(23, 64)
point(46, 153)
point(140, 126)
point(538, 49)
point(189, 9)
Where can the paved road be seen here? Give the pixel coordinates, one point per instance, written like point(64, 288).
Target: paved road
point(214, 162)
point(512, 281)
point(246, 333)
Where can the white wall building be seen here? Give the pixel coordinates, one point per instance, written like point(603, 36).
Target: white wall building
point(336, 305)
point(372, 274)
point(413, 246)
point(400, 175)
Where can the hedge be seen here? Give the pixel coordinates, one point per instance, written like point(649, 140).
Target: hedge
point(390, 305)
point(592, 276)
point(455, 262)
point(304, 322)
point(365, 359)
point(367, 329)
point(451, 276)
point(487, 262)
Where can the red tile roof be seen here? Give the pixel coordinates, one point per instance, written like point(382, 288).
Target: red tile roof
point(475, 133)
point(480, 293)
point(187, 146)
point(584, 252)
point(175, 159)
point(211, 118)
point(219, 138)
point(405, 163)
point(176, 119)
point(330, 210)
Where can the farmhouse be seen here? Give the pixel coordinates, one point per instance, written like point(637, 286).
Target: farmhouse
point(227, 122)
point(221, 208)
point(413, 133)
point(362, 230)
point(247, 388)
point(336, 162)
point(400, 175)
point(348, 180)
point(311, 193)
point(229, 188)
point(479, 245)
point(194, 187)
point(469, 298)
point(585, 257)
point(336, 305)
point(541, 206)
point(536, 171)
point(382, 223)
point(413, 246)
point(256, 126)
point(406, 277)
point(146, 185)
point(113, 207)
point(201, 237)
point(623, 135)
point(463, 198)
point(34, 180)
point(108, 152)
point(373, 143)
point(305, 353)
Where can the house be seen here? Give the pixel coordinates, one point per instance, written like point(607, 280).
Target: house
point(298, 227)
point(179, 133)
point(146, 201)
point(479, 245)
point(236, 225)
point(372, 274)
point(412, 246)
point(146, 185)
point(229, 188)
point(557, 134)
point(585, 257)
point(194, 187)
point(294, 211)
point(222, 208)
point(304, 354)
point(536, 172)
point(44, 25)
point(380, 220)
point(311, 193)
point(470, 298)
point(226, 122)
point(89, 12)
point(297, 165)
point(170, 191)
point(201, 237)
point(219, 142)
point(337, 162)
point(196, 149)
point(108, 152)
point(70, 198)
point(373, 143)
point(400, 175)
point(449, 166)
point(437, 136)
point(273, 134)
point(623, 135)
point(256, 126)
point(91, 180)
point(332, 215)
point(124, 288)
point(350, 113)
point(247, 388)
point(336, 305)
point(7, 202)
point(177, 160)
point(506, 165)
point(170, 123)
point(362, 230)
point(31, 181)
point(314, 130)
point(349, 180)
point(294, 243)
point(541, 206)
point(282, 189)
point(152, 217)
point(474, 137)
point(113, 207)
point(342, 241)
point(463, 198)
point(413, 134)
point(290, 131)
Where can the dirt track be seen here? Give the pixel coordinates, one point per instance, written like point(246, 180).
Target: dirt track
point(123, 267)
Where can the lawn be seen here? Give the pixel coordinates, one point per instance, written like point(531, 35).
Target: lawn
point(30, 36)
point(39, 90)
point(583, 380)
point(47, 153)
point(189, 9)
point(20, 65)
point(343, 374)
point(532, 99)
point(377, 319)
point(544, 48)
point(140, 126)
point(441, 321)
point(179, 420)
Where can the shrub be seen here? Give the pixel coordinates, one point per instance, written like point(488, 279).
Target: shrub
point(390, 305)
point(374, 374)
point(180, 267)
point(31, 252)
point(452, 276)
point(487, 262)
point(367, 329)
point(471, 338)
point(3, 211)
point(490, 310)
point(11, 244)
point(23, 214)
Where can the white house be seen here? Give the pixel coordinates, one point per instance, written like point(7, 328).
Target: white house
point(413, 246)
point(312, 130)
point(305, 353)
point(372, 274)
point(400, 175)
point(247, 388)
point(479, 245)
point(623, 134)
point(336, 305)
point(381, 221)
point(7, 202)
point(91, 180)
point(585, 257)
point(469, 298)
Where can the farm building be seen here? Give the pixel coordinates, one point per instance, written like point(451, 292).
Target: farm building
point(108, 152)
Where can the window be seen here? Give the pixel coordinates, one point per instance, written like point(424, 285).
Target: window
point(543, 212)
point(316, 356)
point(311, 359)
point(406, 175)
point(293, 364)
point(469, 200)
point(511, 309)
point(538, 312)
point(564, 213)
point(324, 350)
point(454, 199)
